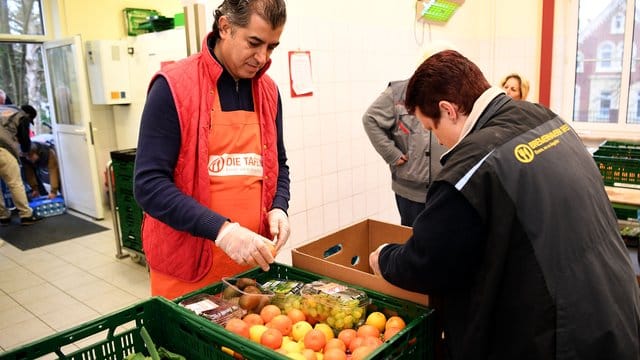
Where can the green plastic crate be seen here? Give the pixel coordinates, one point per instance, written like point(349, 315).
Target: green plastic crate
point(619, 163)
point(626, 212)
point(117, 335)
point(129, 213)
point(415, 341)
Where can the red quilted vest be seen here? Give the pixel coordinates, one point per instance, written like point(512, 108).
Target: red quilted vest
point(193, 85)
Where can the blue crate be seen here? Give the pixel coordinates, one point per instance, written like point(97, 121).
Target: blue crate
point(44, 207)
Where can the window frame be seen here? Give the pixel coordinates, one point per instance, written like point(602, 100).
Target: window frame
point(48, 8)
point(564, 72)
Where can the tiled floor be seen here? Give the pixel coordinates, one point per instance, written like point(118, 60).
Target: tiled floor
point(52, 288)
point(55, 287)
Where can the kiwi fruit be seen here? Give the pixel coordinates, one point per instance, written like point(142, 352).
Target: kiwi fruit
point(249, 301)
point(242, 283)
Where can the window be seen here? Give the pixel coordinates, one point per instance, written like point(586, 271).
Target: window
point(580, 62)
point(617, 24)
point(605, 105)
point(21, 17)
point(604, 57)
point(22, 33)
point(605, 77)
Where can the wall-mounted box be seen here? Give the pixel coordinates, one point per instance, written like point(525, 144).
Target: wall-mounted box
point(108, 70)
point(436, 11)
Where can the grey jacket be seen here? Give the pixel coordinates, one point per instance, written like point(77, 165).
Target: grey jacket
point(394, 132)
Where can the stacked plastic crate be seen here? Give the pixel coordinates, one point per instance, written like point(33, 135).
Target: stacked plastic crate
point(619, 164)
point(129, 213)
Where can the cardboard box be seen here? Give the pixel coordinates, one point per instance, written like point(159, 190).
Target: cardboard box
point(344, 255)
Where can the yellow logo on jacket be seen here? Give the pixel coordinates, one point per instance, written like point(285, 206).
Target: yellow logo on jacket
point(525, 153)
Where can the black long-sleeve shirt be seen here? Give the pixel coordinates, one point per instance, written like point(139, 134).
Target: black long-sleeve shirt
point(443, 251)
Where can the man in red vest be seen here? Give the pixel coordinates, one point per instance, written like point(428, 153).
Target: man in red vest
point(210, 171)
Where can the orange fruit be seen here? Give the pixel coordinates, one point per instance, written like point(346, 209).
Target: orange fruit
point(390, 332)
point(282, 323)
point(334, 354)
point(355, 343)
point(362, 352)
point(376, 319)
point(272, 249)
point(371, 341)
point(238, 326)
point(347, 335)
point(268, 312)
point(309, 354)
point(315, 340)
point(335, 343)
point(368, 330)
point(326, 329)
point(395, 322)
point(296, 315)
point(253, 319)
point(271, 338)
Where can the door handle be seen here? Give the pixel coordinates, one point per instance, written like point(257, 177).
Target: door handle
point(91, 133)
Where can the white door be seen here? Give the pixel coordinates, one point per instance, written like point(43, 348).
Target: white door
point(69, 94)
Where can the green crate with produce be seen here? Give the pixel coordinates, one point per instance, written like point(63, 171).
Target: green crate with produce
point(131, 333)
point(413, 341)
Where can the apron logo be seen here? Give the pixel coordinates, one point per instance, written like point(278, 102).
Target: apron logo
point(524, 153)
point(216, 164)
point(248, 164)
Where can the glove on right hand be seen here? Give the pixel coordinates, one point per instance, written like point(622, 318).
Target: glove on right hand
point(244, 246)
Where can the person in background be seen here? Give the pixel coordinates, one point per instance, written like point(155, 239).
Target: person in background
point(406, 146)
point(516, 86)
point(4, 98)
point(14, 139)
point(42, 159)
point(211, 169)
point(518, 242)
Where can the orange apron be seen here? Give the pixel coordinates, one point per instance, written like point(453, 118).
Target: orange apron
point(235, 183)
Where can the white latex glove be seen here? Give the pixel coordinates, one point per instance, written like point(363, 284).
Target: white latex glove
point(373, 260)
point(279, 227)
point(244, 246)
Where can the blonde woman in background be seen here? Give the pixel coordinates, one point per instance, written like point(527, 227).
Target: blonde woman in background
point(516, 86)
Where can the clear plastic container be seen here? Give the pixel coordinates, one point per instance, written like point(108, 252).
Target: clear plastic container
point(287, 293)
point(338, 305)
point(246, 293)
point(213, 307)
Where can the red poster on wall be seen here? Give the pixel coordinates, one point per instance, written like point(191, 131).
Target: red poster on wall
point(300, 79)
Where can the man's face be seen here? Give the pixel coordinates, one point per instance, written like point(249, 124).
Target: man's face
point(244, 51)
point(448, 129)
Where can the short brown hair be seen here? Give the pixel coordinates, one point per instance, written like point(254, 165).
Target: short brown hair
point(448, 76)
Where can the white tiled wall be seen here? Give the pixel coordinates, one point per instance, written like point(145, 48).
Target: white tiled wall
point(356, 48)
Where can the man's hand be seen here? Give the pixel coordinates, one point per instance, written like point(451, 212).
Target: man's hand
point(402, 160)
point(244, 246)
point(373, 260)
point(34, 194)
point(52, 195)
point(279, 227)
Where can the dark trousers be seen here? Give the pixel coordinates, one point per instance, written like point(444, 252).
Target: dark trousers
point(408, 209)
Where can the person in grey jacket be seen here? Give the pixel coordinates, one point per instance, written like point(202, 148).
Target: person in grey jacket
point(14, 139)
point(406, 146)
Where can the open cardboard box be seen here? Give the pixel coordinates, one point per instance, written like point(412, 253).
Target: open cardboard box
point(344, 255)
